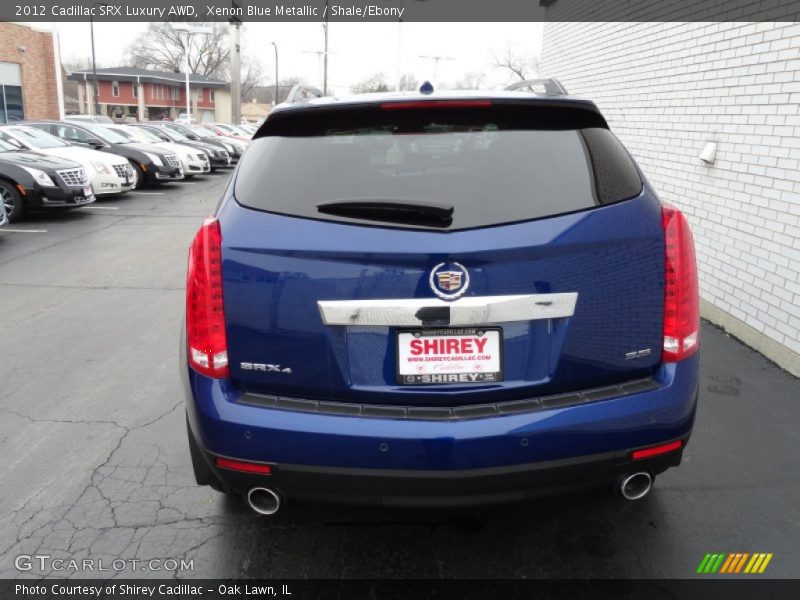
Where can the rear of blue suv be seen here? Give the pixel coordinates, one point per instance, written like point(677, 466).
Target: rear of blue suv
point(438, 300)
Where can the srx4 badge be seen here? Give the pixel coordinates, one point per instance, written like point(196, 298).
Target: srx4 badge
point(248, 366)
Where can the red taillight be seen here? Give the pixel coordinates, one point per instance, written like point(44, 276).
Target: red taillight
point(681, 296)
point(656, 450)
point(244, 467)
point(205, 317)
point(422, 104)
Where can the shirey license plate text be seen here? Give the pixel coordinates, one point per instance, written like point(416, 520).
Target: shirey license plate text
point(449, 356)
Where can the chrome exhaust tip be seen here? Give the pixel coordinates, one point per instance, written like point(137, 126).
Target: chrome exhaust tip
point(636, 486)
point(264, 501)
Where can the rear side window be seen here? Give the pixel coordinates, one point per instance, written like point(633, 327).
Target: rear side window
point(494, 165)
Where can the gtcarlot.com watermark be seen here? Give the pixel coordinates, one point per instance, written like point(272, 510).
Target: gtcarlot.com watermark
point(47, 563)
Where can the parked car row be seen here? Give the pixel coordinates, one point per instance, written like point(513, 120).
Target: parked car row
point(67, 164)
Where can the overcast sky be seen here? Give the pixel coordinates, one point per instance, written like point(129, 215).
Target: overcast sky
point(357, 50)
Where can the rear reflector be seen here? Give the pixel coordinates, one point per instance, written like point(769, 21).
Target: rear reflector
point(657, 450)
point(423, 104)
point(681, 295)
point(205, 317)
point(244, 467)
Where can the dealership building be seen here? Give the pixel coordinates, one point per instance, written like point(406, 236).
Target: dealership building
point(711, 111)
point(142, 94)
point(30, 81)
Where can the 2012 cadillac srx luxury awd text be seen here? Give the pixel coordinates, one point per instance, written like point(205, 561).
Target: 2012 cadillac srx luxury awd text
point(439, 299)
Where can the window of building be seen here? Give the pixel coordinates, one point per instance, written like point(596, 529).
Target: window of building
point(211, 95)
point(11, 109)
point(115, 89)
point(176, 93)
point(135, 88)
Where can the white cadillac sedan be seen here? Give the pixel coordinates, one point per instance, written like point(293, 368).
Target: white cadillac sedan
point(108, 173)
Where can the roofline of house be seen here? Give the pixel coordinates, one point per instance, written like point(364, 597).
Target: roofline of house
point(179, 79)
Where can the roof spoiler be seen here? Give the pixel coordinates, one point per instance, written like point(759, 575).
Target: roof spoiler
point(552, 87)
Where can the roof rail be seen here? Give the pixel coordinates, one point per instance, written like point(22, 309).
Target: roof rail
point(301, 93)
point(552, 87)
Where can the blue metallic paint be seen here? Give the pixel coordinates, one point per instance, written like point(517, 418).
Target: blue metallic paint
point(263, 434)
point(277, 267)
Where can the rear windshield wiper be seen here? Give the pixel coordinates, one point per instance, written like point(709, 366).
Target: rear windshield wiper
point(413, 212)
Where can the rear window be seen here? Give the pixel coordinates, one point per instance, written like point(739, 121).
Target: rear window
point(493, 165)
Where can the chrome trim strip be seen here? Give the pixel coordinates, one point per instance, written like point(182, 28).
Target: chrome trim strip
point(472, 310)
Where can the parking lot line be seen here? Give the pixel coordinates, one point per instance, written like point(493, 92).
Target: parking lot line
point(102, 207)
point(23, 230)
point(148, 193)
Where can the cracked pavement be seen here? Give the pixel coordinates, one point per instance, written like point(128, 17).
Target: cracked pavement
point(95, 461)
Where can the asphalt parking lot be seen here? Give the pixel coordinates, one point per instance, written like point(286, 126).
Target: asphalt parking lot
point(95, 461)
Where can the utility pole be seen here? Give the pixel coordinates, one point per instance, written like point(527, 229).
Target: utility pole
point(236, 69)
point(94, 62)
point(277, 86)
point(436, 60)
point(236, 74)
point(95, 105)
point(188, 69)
point(325, 56)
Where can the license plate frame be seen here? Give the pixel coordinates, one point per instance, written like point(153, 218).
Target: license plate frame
point(490, 370)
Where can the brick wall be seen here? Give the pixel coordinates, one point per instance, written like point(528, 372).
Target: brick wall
point(39, 93)
point(668, 88)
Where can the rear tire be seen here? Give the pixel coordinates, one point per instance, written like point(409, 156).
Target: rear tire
point(12, 200)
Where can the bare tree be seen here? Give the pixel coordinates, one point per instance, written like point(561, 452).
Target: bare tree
point(473, 80)
point(373, 83)
point(163, 48)
point(73, 63)
point(252, 76)
point(408, 83)
point(522, 65)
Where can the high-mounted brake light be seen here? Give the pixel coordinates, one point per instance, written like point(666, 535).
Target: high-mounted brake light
point(681, 296)
point(205, 317)
point(422, 104)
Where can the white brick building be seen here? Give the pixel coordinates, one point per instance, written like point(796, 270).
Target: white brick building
point(667, 89)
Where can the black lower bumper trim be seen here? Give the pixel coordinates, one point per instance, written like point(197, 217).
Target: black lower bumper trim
point(451, 413)
point(391, 487)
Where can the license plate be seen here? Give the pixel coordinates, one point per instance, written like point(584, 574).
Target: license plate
point(446, 356)
point(88, 192)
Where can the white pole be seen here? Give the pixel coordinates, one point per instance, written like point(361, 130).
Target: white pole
point(188, 100)
point(399, 73)
point(59, 82)
point(236, 75)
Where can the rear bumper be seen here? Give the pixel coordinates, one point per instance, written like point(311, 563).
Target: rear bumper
point(427, 462)
point(397, 487)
